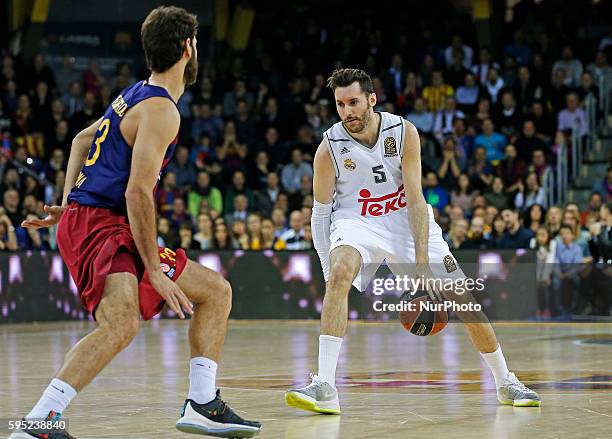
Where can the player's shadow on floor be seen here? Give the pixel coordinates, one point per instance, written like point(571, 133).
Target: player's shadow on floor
point(312, 426)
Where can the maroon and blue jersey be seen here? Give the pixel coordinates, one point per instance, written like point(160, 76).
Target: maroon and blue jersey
point(104, 177)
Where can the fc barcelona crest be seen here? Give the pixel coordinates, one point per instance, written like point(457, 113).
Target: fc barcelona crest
point(390, 147)
point(350, 165)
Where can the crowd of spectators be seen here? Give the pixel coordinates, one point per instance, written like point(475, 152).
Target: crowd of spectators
point(491, 122)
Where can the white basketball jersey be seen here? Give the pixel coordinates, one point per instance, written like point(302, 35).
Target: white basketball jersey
point(369, 180)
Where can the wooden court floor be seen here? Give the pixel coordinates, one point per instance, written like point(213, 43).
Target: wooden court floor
point(393, 385)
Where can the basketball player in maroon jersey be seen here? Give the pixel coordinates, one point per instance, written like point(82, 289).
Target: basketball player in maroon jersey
point(107, 237)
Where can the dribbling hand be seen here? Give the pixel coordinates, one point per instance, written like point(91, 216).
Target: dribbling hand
point(171, 293)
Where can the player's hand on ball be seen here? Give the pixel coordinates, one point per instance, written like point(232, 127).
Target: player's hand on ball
point(423, 271)
point(54, 213)
point(171, 293)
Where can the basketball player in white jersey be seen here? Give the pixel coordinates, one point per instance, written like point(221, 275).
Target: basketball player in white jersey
point(369, 207)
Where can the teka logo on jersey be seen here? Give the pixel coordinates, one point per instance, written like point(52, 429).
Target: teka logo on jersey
point(380, 206)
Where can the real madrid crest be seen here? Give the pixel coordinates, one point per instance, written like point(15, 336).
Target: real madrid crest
point(350, 165)
point(390, 147)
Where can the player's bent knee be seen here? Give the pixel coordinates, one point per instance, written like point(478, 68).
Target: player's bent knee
point(121, 332)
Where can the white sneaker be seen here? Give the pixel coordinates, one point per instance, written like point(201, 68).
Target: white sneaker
point(319, 397)
point(513, 392)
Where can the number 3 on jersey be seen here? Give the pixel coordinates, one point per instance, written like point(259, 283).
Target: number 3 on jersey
point(102, 133)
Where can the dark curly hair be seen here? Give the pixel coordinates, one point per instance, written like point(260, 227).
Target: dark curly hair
point(163, 35)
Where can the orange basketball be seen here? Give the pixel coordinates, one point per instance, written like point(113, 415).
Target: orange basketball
point(419, 315)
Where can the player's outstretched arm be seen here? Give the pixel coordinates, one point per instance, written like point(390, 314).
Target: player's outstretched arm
point(324, 185)
point(78, 154)
point(417, 208)
point(158, 123)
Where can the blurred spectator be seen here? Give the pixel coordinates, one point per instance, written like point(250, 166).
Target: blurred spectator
point(455, 73)
point(221, 238)
point(179, 215)
point(525, 91)
point(268, 239)
point(571, 218)
point(73, 99)
point(494, 84)
point(511, 169)
point(485, 63)
point(546, 249)
point(509, 117)
point(66, 74)
point(464, 195)
point(205, 122)
point(534, 217)
point(435, 95)
point(295, 199)
point(434, 194)
point(165, 235)
point(186, 238)
point(515, 236)
point(604, 186)
point(538, 165)
point(294, 236)
point(254, 232)
point(230, 99)
point(240, 237)
point(443, 122)
point(259, 172)
point(204, 237)
point(185, 170)
point(451, 164)
point(570, 65)
point(238, 187)
point(594, 206)
point(600, 242)
point(519, 49)
point(587, 89)
point(240, 209)
point(232, 154)
point(457, 45)
point(529, 193)
point(492, 141)
point(573, 117)
point(165, 196)
point(480, 171)
point(468, 94)
point(476, 235)
point(566, 281)
point(92, 78)
point(292, 173)
point(203, 191)
point(498, 232)
point(280, 221)
point(457, 235)
point(8, 238)
point(266, 197)
point(496, 196)
point(420, 117)
point(544, 122)
point(600, 67)
point(553, 220)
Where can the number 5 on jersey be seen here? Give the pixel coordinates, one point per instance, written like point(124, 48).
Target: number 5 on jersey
point(379, 174)
point(102, 133)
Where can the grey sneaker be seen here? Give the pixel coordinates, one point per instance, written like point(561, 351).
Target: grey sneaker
point(513, 392)
point(319, 397)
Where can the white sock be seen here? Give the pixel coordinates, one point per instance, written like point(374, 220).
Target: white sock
point(329, 350)
point(202, 374)
point(56, 397)
point(497, 364)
